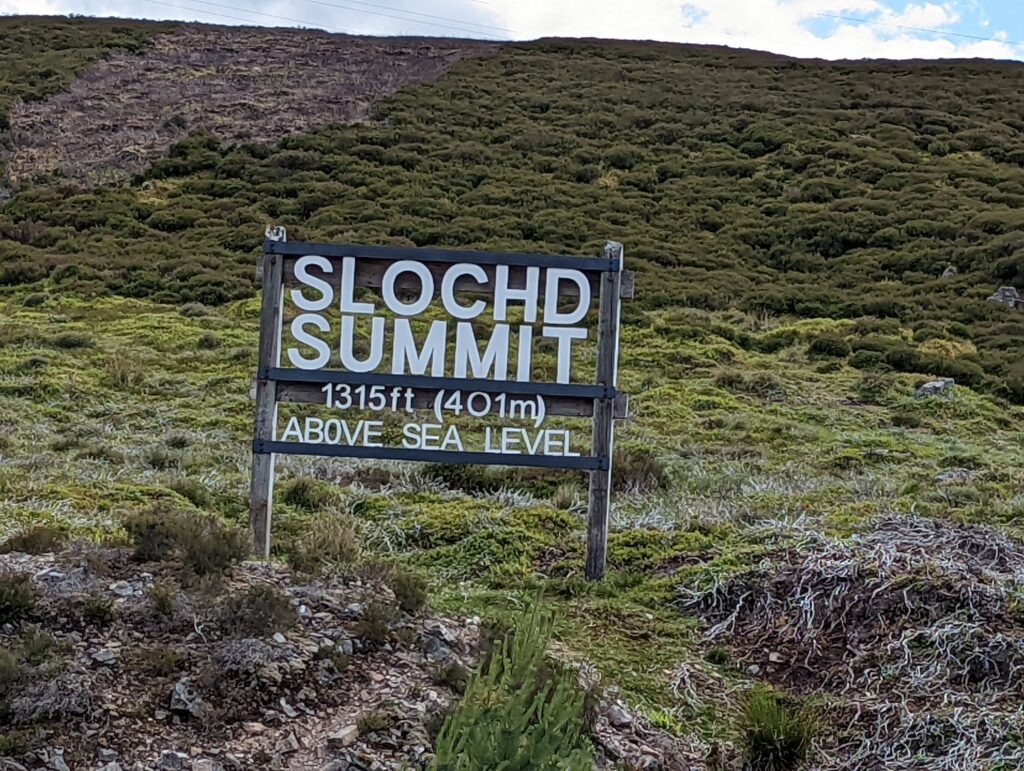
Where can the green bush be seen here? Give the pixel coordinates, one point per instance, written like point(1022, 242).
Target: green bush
point(205, 544)
point(38, 539)
point(70, 340)
point(327, 541)
point(775, 736)
point(259, 611)
point(97, 609)
point(518, 713)
point(18, 597)
point(829, 345)
point(410, 589)
point(308, 493)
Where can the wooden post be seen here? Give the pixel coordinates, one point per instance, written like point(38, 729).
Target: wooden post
point(261, 491)
point(604, 411)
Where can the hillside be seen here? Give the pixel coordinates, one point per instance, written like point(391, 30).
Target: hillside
point(788, 512)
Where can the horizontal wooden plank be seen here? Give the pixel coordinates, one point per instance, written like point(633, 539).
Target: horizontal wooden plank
point(449, 256)
point(583, 462)
point(423, 399)
point(370, 275)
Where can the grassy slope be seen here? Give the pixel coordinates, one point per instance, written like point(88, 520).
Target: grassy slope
point(749, 427)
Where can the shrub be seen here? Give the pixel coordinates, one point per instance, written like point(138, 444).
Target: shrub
point(259, 611)
point(192, 490)
point(160, 661)
point(452, 675)
point(161, 458)
point(872, 360)
point(124, 371)
point(517, 712)
point(38, 539)
point(70, 340)
point(371, 722)
point(329, 540)
point(163, 598)
point(637, 467)
point(410, 589)
point(829, 345)
point(97, 609)
point(775, 737)
point(208, 340)
point(35, 299)
point(374, 625)
point(36, 647)
point(205, 544)
point(18, 597)
point(308, 493)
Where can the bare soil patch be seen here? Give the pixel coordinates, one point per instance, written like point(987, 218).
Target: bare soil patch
point(245, 85)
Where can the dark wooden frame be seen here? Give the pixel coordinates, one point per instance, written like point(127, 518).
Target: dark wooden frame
point(601, 401)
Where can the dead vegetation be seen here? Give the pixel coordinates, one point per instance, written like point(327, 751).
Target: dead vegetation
point(912, 629)
point(244, 85)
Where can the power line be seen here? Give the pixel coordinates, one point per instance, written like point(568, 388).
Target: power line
point(247, 21)
point(939, 32)
point(303, 21)
point(408, 13)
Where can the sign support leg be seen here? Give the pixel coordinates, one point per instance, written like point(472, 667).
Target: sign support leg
point(261, 492)
point(604, 409)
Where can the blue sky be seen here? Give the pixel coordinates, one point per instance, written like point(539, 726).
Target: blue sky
point(816, 28)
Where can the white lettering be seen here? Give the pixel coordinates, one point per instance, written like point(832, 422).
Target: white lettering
point(551, 313)
point(323, 350)
point(503, 293)
point(565, 336)
point(467, 354)
point(373, 358)
point(348, 282)
point(302, 266)
point(404, 353)
point(426, 287)
point(451, 276)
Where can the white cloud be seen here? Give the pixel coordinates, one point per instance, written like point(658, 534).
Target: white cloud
point(830, 29)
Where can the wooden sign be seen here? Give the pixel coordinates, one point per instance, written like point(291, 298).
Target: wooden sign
point(431, 355)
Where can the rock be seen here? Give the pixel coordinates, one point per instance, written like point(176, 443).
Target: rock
point(106, 754)
point(57, 761)
point(954, 475)
point(122, 589)
point(288, 744)
point(336, 765)
point(753, 670)
point(949, 272)
point(254, 728)
point(935, 388)
point(1008, 296)
point(288, 709)
point(104, 656)
point(184, 701)
point(111, 766)
point(173, 761)
point(346, 737)
point(204, 764)
point(618, 717)
point(776, 658)
point(279, 638)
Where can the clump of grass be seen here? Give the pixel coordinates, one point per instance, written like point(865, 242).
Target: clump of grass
point(717, 655)
point(637, 467)
point(208, 340)
point(163, 598)
point(308, 493)
point(177, 440)
point(203, 543)
point(70, 340)
point(38, 539)
point(374, 625)
point(97, 609)
point(98, 450)
point(564, 496)
point(160, 457)
point(35, 299)
point(259, 611)
point(410, 589)
point(37, 647)
point(377, 720)
point(829, 344)
point(160, 661)
point(775, 735)
point(18, 597)
point(124, 371)
point(330, 540)
point(452, 675)
point(193, 310)
point(192, 490)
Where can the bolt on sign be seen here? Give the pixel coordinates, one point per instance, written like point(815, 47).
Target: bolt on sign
point(451, 357)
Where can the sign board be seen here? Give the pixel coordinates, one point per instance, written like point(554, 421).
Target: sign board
point(456, 357)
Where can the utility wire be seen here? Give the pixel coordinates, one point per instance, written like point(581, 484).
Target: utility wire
point(346, 6)
point(939, 32)
point(304, 22)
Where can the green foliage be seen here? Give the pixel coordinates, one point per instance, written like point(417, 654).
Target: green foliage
point(374, 624)
point(410, 589)
point(258, 611)
point(160, 661)
point(97, 609)
point(18, 597)
point(37, 539)
point(637, 467)
point(775, 735)
point(517, 713)
point(371, 722)
point(72, 340)
point(328, 540)
point(308, 493)
point(205, 544)
point(829, 345)
point(163, 597)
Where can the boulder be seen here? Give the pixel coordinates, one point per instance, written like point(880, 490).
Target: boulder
point(935, 388)
point(1008, 296)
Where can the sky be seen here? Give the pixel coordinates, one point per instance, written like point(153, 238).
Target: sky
point(830, 29)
